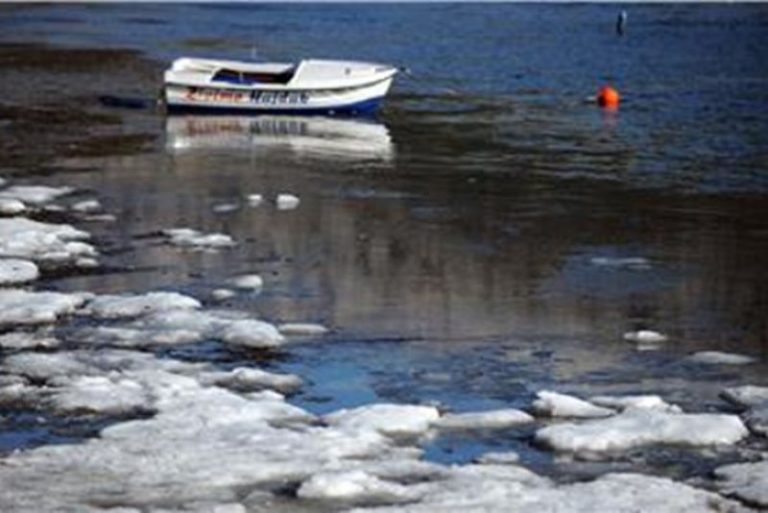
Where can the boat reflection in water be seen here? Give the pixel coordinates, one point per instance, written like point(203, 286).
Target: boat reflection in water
point(315, 137)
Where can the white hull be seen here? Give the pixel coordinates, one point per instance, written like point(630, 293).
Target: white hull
point(313, 86)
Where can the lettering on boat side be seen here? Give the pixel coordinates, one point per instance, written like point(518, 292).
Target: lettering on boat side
point(201, 94)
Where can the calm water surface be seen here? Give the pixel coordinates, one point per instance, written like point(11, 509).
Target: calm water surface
point(466, 247)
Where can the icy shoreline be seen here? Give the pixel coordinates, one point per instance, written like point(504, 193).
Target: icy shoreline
point(194, 437)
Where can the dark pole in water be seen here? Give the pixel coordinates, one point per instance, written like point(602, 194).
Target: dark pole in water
point(620, 22)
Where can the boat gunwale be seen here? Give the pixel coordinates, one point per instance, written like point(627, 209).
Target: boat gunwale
point(370, 81)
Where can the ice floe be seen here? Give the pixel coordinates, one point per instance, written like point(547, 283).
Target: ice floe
point(10, 206)
point(746, 396)
point(355, 486)
point(254, 200)
point(389, 419)
point(193, 239)
point(640, 427)
point(135, 305)
point(633, 263)
point(495, 419)
point(301, 329)
point(504, 489)
point(247, 281)
point(499, 458)
point(287, 201)
point(554, 404)
point(86, 206)
point(721, 358)
point(250, 379)
point(746, 481)
point(225, 208)
point(14, 271)
point(33, 240)
point(101, 394)
point(18, 307)
point(652, 402)
point(757, 419)
point(28, 340)
point(161, 326)
point(222, 294)
point(34, 194)
point(645, 337)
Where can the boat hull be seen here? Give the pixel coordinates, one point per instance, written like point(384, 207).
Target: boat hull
point(350, 101)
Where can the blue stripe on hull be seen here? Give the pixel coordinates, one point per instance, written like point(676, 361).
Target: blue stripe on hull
point(363, 108)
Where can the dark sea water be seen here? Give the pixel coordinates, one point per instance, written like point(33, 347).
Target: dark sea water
point(466, 247)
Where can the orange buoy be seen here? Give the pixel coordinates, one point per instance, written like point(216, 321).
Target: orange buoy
point(608, 97)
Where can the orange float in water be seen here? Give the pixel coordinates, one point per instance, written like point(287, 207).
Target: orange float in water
point(608, 97)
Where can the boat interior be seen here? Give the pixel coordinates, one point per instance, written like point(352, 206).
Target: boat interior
point(232, 76)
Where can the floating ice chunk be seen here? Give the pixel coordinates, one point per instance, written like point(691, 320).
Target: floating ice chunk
point(86, 263)
point(287, 201)
point(24, 238)
point(14, 394)
point(247, 281)
point(215, 325)
point(187, 237)
point(99, 394)
point(101, 218)
point(10, 206)
point(721, 358)
point(249, 333)
point(248, 379)
point(13, 270)
point(254, 200)
point(553, 404)
point(645, 337)
point(638, 427)
point(648, 402)
point(746, 396)
point(115, 307)
point(634, 263)
point(356, 486)
point(23, 307)
point(224, 208)
point(86, 206)
point(388, 419)
point(497, 419)
point(757, 419)
point(25, 340)
point(499, 458)
point(301, 329)
point(746, 481)
point(222, 294)
point(34, 194)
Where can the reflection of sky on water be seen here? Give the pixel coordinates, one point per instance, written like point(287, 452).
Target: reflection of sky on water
point(312, 137)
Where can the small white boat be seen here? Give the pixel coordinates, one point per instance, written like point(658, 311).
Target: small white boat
point(312, 86)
